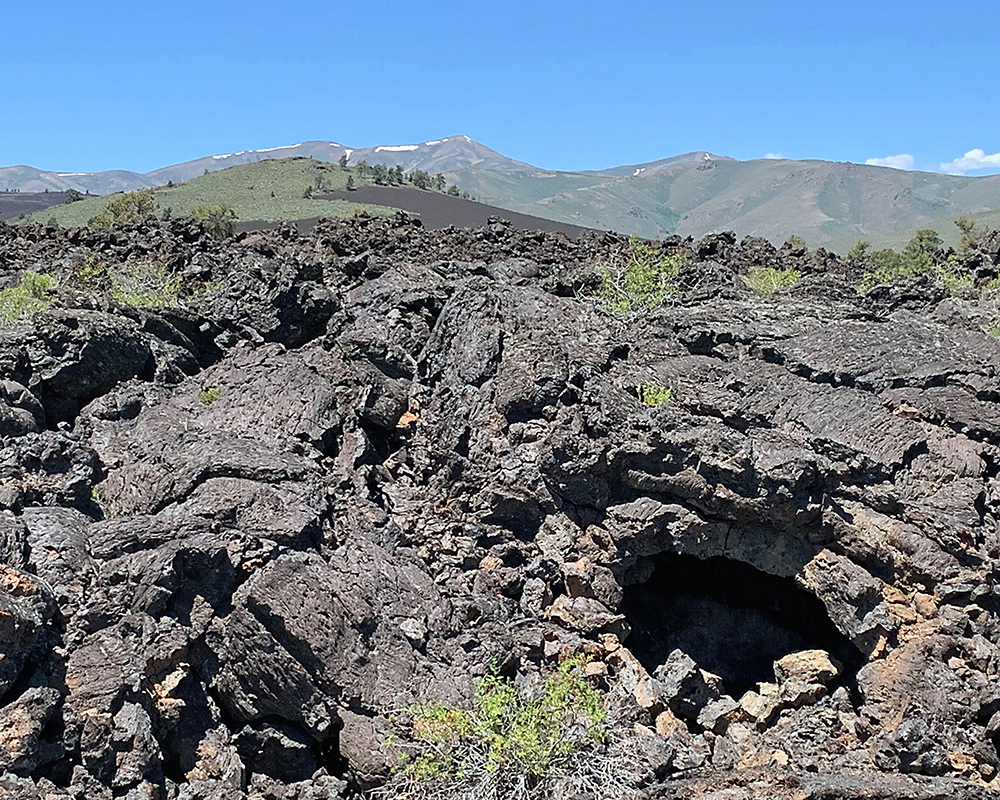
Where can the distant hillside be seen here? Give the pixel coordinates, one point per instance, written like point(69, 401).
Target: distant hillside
point(29, 179)
point(268, 190)
point(451, 153)
point(829, 204)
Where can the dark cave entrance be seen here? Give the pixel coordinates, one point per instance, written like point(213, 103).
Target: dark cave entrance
point(732, 619)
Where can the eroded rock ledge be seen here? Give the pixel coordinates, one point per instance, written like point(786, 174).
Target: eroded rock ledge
point(364, 466)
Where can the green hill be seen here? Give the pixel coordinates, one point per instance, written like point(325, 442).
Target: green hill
point(829, 204)
point(266, 190)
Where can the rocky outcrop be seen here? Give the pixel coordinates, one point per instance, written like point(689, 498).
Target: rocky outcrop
point(355, 470)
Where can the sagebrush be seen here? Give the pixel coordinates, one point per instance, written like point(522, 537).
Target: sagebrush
point(643, 276)
point(768, 280)
point(655, 395)
point(514, 744)
point(126, 209)
point(923, 255)
point(144, 282)
point(25, 299)
point(219, 221)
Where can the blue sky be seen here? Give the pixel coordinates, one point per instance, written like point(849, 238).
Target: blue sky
point(564, 85)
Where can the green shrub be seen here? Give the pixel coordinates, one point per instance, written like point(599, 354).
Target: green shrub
point(144, 283)
point(513, 744)
point(796, 244)
point(992, 329)
point(971, 234)
point(921, 256)
point(26, 299)
point(888, 265)
point(126, 209)
point(218, 221)
point(768, 280)
point(90, 272)
point(643, 277)
point(956, 281)
point(861, 253)
point(918, 258)
point(209, 395)
point(655, 395)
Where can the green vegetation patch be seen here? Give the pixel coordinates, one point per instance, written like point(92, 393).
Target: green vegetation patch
point(219, 221)
point(643, 277)
point(125, 209)
point(26, 299)
point(209, 395)
point(768, 280)
point(924, 255)
point(144, 283)
point(514, 744)
point(269, 190)
point(886, 266)
point(655, 395)
point(956, 282)
point(141, 281)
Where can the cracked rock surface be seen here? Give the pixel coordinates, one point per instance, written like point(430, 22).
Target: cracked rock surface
point(355, 470)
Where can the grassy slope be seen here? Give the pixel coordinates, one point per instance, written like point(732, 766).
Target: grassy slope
point(247, 188)
point(829, 204)
point(587, 199)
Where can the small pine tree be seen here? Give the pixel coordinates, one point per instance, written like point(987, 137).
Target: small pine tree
point(796, 244)
point(420, 179)
point(218, 221)
point(971, 233)
point(126, 209)
point(350, 183)
point(861, 253)
point(343, 161)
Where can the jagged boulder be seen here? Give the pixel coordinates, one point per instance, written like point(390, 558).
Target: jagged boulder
point(355, 471)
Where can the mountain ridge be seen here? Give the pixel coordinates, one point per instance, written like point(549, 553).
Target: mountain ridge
point(830, 204)
point(437, 155)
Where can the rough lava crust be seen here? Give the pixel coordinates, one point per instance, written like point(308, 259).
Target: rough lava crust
point(356, 469)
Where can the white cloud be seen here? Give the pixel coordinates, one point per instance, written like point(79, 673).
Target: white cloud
point(774, 155)
point(902, 161)
point(973, 160)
